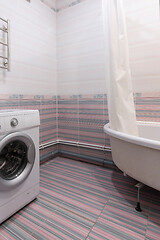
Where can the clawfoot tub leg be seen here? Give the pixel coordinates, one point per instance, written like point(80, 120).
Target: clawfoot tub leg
point(138, 207)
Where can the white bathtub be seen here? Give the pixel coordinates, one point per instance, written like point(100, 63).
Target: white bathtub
point(138, 157)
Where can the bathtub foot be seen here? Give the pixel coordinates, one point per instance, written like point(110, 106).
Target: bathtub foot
point(124, 174)
point(138, 207)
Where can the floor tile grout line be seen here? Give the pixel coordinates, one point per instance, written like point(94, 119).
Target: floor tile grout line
point(147, 223)
point(97, 218)
point(114, 200)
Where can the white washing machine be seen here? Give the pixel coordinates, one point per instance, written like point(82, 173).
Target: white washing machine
point(19, 160)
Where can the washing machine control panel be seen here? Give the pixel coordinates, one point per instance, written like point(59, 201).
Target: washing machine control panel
point(14, 122)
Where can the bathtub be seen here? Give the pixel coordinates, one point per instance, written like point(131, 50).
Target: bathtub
point(138, 157)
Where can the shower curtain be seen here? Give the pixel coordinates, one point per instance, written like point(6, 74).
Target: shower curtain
point(122, 116)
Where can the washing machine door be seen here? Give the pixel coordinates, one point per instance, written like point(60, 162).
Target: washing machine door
point(17, 157)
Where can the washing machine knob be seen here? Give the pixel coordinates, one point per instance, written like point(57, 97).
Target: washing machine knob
point(14, 122)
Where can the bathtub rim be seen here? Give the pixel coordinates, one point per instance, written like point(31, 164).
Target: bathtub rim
point(134, 139)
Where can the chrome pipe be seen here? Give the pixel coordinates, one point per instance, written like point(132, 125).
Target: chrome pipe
point(3, 20)
point(77, 144)
point(8, 44)
point(4, 29)
point(85, 145)
point(5, 44)
point(4, 67)
point(49, 144)
point(4, 57)
point(6, 62)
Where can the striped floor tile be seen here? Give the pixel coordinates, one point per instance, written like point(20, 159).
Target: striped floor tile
point(118, 221)
point(68, 188)
point(153, 228)
point(81, 201)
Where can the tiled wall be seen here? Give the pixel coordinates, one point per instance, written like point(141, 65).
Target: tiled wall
point(143, 27)
point(148, 106)
point(80, 48)
point(81, 109)
point(79, 119)
point(82, 118)
point(71, 33)
point(33, 65)
point(82, 89)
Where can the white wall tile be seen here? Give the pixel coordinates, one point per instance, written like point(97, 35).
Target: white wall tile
point(74, 37)
point(80, 45)
point(143, 26)
point(33, 48)
point(80, 48)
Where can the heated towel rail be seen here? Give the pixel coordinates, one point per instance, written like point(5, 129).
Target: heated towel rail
point(5, 29)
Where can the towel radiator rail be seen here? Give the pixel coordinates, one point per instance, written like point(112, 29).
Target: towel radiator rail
point(6, 29)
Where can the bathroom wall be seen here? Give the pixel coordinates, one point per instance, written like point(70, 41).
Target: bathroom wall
point(143, 25)
point(80, 47)
point(32, 80)
point(81, 86)
point(57, 66)
point(80, 52)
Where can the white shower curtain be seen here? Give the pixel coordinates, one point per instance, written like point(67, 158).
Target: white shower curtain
point(121, 108)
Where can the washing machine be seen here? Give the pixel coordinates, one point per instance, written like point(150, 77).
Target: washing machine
point(19, 160)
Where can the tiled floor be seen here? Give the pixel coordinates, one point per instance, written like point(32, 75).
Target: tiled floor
point(84, 201)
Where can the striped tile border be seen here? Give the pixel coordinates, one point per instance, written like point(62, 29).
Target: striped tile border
point(78, 118)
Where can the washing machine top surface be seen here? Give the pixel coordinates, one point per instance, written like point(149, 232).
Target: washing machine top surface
point(17, 120)
point(7, 112)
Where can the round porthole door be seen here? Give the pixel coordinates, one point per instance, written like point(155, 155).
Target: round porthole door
point(17, 156)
